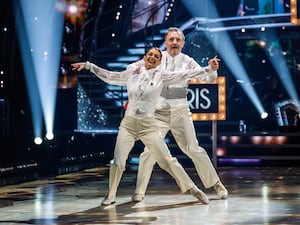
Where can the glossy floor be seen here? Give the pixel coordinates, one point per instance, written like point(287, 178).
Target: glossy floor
point(256, 196)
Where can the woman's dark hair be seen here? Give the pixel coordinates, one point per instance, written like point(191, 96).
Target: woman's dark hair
point(156, 48)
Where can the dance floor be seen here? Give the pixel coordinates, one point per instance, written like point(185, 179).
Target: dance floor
point(265, 195)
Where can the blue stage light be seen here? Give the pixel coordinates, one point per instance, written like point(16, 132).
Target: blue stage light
point(40, 29)
point(221, 41)
point(276, 57)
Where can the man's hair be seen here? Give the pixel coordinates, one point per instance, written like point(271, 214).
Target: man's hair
point(175, 29)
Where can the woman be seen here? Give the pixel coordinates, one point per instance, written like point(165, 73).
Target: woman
point(144, 85)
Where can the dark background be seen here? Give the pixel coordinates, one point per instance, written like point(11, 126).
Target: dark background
point(90, 39)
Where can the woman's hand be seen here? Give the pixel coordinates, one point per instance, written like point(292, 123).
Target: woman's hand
point(78, 66)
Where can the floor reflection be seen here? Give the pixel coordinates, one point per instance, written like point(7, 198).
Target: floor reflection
point(256, 196)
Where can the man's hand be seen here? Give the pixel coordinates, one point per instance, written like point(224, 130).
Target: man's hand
point(214, 63)
point(78, 66)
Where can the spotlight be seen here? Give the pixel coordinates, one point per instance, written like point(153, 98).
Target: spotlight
point(38, 140)
point(49, 136)
point(280, 65)
point(264, 115)
point(72, 9)
point(43, 42)
point(262, 44)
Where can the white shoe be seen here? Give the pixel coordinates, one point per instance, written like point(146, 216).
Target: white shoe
point(137, 197)
point(108, 201)
point(221, 190)
point(200, 195)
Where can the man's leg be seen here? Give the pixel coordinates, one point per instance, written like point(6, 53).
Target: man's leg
point(183, 131)
point(160, 151)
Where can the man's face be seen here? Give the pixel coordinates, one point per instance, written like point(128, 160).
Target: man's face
point(152, 58)
point(174, 43)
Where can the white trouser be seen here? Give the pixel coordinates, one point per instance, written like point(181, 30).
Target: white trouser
point(145, 129)
point(179, 122)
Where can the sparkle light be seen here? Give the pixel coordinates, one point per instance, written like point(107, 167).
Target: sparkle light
point(73, 9)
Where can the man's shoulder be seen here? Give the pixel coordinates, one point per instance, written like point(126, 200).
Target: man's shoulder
point(186, 56)
point(183, 55)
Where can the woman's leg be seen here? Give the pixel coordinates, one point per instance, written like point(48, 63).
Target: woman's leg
point(124, 144)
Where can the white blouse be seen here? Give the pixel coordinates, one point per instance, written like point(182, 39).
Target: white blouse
point(143, 86)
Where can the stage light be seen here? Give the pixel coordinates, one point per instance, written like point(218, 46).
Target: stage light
point(221, 152)
point(50, 136)
point(224, 46)
point(276, 57)
point(280, 140)
point(257, 140)
point(264, 115)
point(235, 139)
point(72, 9)
point(38, 140)
point(31, 83)
point(262, 43)
point(40, 35)
point(118, 15)
point(221, 41)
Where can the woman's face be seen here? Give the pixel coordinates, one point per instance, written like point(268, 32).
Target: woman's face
point(152, 58)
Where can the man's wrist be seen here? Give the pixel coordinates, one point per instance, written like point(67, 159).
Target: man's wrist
point(87, 65)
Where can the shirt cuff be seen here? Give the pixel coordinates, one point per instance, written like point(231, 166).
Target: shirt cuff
point(208, 69)
point(87, 65)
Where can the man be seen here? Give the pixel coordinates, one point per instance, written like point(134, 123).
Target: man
point(173, 114)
